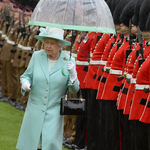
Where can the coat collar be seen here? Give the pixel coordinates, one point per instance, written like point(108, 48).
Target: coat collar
point(62, 60)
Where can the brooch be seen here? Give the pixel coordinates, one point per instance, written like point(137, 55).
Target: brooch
point(65, 59)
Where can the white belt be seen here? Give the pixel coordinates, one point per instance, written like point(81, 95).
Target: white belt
point(91, 54)
point(133, 81)
point(74, 55)
point(67, 52)
point(6, 38)
point(95, 62)
point(10, 42)
point(20, 46)
point(81, 62)
point(3, 35)
point(102, 62)
point(128, 76)
point(118, 72)
point(106, 68)
point(1, 32)
point(26, 48)
point(141, 87)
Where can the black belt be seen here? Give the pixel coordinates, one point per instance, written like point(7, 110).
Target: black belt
point(85, 68)
point(104, 80)
point(131, 102)
point(117, 88)
point(148, 105)
point(143, 101)
point(125, 90)
point(94, 77)
point(99, 77)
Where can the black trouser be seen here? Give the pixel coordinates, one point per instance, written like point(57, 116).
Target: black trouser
point(125, 132)
point(103, 123)
point(81, 126)
point(93, 120)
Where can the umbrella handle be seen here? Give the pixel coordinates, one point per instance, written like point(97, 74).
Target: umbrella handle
point(63, 70)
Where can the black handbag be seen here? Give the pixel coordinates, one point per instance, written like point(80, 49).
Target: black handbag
point(73, 106)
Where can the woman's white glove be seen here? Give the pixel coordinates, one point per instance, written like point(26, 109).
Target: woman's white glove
point(73, 74)
point(26, 86)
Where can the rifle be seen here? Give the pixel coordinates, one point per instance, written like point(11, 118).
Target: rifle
point(13, 21)
point(120, 43)
point(30, 31)
point(8, 19)
point(23, 29)
point(19, 27)
point(128, 51)
point(141, 60)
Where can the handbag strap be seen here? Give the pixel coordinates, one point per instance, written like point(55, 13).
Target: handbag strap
point(80, 92)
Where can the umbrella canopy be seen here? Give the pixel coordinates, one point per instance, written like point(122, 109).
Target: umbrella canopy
point(82, 15)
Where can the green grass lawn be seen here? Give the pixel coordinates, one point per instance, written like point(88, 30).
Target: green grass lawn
point(10, 123)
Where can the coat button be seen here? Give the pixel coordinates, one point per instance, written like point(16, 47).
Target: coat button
point(46, 89)
point(43, 110)
point(47, 82)
point(44, 103)
point(45, 96)
point(32, 99)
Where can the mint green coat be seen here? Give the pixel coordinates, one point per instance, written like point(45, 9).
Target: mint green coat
point(42, 115)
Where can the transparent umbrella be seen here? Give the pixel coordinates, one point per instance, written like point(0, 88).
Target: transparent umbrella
point(82, 15)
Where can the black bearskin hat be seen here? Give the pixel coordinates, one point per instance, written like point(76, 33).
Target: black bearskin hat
point(143, 15)
point(135, 18)
point(147, 27)
point(118, 10)
point(127, 12)
point(113, 5)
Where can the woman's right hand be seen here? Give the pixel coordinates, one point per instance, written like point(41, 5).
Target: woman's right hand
point(26, 86)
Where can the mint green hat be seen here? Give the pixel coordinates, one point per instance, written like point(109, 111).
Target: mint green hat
point(51, 32)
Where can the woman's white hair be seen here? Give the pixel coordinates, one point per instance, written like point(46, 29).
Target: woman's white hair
point(60, 43)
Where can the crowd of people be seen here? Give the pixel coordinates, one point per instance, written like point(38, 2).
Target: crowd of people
point(113, 71)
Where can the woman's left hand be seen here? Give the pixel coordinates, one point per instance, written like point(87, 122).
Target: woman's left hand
point(71, 67)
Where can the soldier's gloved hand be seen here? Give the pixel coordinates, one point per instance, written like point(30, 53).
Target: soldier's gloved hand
point(26, 86)
point(73, 74)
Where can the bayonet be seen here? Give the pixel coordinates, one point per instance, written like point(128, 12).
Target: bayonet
point(141, 60)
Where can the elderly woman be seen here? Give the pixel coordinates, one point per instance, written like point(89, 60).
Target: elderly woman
point(42, 126)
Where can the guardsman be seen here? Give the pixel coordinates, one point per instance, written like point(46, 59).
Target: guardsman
point(25, 36)
point(83, 56)
point(146, 112)
point(3, 35)
point(16, 56)
point(112, 86)
point(1, 43)
point(8, 74)
point(140, 97)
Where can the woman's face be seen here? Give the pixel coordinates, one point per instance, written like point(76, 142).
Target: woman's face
point(51, 47)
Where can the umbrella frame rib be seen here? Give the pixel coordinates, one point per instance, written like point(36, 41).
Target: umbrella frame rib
point(73, 27)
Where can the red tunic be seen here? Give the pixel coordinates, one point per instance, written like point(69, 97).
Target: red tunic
point(94, 62)
point(105, 74)
point(113, 86)
point(103, 61)
point(83, 53)
point(129, 69)
point(140, 97)
point(146, 112)
point(129, 97)
point(97, 54)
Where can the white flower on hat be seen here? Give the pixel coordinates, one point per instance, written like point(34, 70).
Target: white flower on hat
point(42, 31)
point(52, 32)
